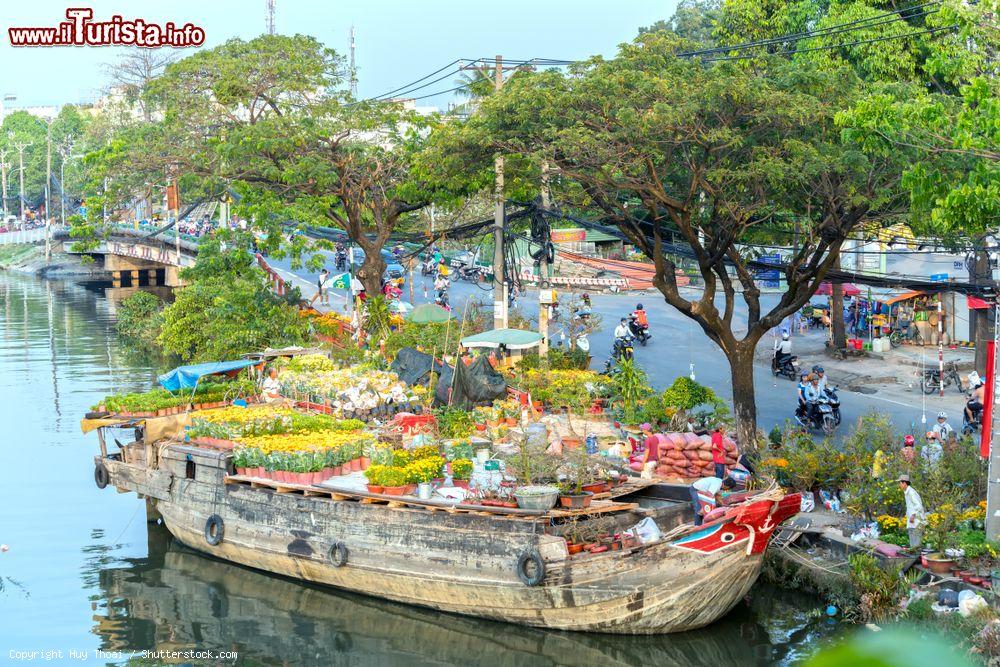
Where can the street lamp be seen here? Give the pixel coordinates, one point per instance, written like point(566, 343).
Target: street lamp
point(20, 147)
point(64, 152)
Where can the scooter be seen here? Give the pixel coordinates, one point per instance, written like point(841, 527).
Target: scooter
point(820, 417)
point(834, 401)
point(428, 267)
point(640, 332)
point(787, 367)
point(975, 425)
point(621, 349)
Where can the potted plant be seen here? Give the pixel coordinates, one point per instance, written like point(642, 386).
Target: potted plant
point(376, 475)
point(393, 481)
point(461, 472)
point(941, 534)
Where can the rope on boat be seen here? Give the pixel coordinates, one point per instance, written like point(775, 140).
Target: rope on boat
point(810, 563)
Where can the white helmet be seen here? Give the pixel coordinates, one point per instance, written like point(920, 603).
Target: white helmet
point(784, 335)
point(942, 415)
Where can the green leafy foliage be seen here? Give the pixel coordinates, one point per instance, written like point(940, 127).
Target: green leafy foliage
point(140, 318)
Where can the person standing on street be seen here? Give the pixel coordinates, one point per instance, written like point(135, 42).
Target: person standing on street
point(914, 512)
point(718, 452)
point(322, 294)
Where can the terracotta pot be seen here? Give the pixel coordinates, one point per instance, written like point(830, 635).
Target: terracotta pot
point(318, 477)
point(509, 504)
point(571, 443)
point(493, 422)
point(596, 487)
point(328, 472)
point(354, 465)
point(975, 580)
point(260, 472)
point(336, 471)
point(375, 489)
point(394, 490)
point(576, 501)
point(574, 548)
point(410, 488)
point(964, 575)
point(511, 421)
point(939, 563)
point(365, 462)
point(598, 550)
point(241, 472)
point(480, 427)
point(461, 483)
point(616, 546)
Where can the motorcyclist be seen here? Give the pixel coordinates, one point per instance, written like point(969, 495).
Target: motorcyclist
point(640, 316)
point(443, 301)
point(441, 285)
point(621, 331)
point(800, 391)
point(974, 406)
point(586, 301)
point(812, 393)
point(821, 374)
point(782, 350)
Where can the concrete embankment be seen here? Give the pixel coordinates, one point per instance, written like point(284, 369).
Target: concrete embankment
point(30, 258)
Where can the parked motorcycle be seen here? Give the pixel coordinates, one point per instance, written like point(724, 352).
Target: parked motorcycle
point(932, 378)
point(341, 261)
point(819, 418)
point(638, 331)
point(473, 274)
point(788, 367)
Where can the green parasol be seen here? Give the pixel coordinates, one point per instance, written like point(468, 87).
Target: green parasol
point(428, 313)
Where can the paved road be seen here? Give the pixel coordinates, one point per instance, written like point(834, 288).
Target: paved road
point(678, 345)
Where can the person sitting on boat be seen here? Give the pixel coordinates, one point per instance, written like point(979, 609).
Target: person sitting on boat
point(272, 388)
point(706, 494)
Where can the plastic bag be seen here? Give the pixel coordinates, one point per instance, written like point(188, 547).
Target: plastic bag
point(971, 603)
point(868, 531)
point(830, 501)
point(807, 504)
point(647, 531)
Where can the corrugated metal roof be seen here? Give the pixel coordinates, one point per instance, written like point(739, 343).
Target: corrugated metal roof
point(597, 236)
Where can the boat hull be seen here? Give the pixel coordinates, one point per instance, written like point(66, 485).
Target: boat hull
point(464, 563)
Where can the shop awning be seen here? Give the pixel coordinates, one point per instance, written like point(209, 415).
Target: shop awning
point(512, 339)
point(905, 296)
point(849, 289)
point(976, 303)
point(186, 377)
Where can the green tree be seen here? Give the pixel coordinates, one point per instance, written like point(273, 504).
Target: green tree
point(716, 157)
point(228, 309)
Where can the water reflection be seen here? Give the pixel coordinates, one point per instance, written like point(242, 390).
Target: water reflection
point(179, 599)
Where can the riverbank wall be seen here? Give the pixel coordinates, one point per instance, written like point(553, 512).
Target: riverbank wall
point(29, 258)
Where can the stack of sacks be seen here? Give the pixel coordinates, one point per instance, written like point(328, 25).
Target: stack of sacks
point(689, 455)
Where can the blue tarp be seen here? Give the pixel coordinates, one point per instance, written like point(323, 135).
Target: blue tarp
point(186, 377)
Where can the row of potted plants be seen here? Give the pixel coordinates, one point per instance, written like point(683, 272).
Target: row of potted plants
point(159, 401)
point(601, 543)
point(308, 467)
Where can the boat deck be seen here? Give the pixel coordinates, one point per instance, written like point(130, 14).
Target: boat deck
point(603, 503)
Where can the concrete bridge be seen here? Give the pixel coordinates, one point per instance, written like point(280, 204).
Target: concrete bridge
point(135, 259)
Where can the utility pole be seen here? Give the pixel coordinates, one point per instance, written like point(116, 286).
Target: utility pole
point(20, 147)
point(48, 171)
point(3, 183)
point(64, 152)
point(499, 279)
point(546, 267)
point(270, 17)
point(354, 71)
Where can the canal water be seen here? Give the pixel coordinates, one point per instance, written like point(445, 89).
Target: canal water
point(84, 571)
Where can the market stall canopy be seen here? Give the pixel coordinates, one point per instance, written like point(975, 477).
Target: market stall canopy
point(512, 339)
point(186, 377)
point(428, 313)
point(905, 296)
point(849, 289)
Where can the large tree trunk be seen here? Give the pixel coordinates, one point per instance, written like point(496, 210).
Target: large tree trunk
point(837, 311)
point(744, 401)
point(370, 273)
point(981, 319)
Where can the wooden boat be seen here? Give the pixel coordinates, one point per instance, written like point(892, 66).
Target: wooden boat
point(507, 565)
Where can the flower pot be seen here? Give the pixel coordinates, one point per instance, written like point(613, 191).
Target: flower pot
point(318, 477)
point(354, 465)
point(509, 504)
point(511, 421)
point(576, 501)
point(372, 488)
point(595, 487)
point(574, 548)
point(598, 550)
point(241, 471)
point(571, 443)
point(965, 575)
point(394, 490)
point(327, 472)
point(261, 472)
point(460, 483)
point(480, 427)
point(365, 462)
point(438, 481)
point(336, 471)
point(616, 546)
point(410, 488)
point(938, 563)
point(536, 497)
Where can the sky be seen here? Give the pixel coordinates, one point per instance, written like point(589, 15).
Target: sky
point(398, 41)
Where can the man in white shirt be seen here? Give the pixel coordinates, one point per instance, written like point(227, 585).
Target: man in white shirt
point(782, 348)
point(272, 388)
point(621, 331)
point(942, 428)
point(706, 496)
point(914, 512)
